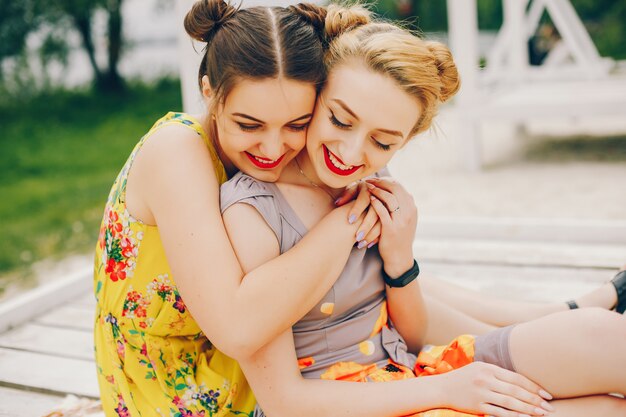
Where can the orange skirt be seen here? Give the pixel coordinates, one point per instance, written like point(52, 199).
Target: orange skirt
point(434, 360)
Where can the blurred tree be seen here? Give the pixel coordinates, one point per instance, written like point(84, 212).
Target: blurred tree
point(19, 18)
point(604, 19)
point(81, 14)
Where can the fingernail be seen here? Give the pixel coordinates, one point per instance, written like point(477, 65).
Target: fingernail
point(370, 186)
point(360, 236)
point(337, 201)
point(540, 411)
point(361, 244)
point(547, 406)
point(545, 395)
point(523, 415)
point(352, 218)
point(370, 244)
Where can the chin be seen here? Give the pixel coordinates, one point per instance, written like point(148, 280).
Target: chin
point(264, 175)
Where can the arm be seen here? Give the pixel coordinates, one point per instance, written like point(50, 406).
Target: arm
point(406, 305)
point(173, 175)
point(279, 387)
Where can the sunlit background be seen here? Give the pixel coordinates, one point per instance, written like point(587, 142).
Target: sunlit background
point(538, 131)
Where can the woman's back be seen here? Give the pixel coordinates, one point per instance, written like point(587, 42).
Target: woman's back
point(150, 352)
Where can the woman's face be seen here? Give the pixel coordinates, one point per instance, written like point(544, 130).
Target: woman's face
point(361, 119)
point(262, 124)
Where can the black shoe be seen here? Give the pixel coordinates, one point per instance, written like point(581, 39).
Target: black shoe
point(619, 282)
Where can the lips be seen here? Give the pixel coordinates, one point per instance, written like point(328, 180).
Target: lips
point(264, 163)
point(328, 156)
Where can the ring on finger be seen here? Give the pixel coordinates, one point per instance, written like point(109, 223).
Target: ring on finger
point(394, 210)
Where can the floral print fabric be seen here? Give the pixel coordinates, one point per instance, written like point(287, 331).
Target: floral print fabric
point(152, 359)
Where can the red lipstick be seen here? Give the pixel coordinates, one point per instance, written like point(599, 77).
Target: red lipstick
point(262, 165)
point(333, 168)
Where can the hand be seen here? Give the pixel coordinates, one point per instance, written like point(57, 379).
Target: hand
point(361, 210)
point(488, 389)
point(397, 213)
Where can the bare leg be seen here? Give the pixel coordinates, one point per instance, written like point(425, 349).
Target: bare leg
point(445, 323)
point(574, 353)
point(490, 310)
point(597, 405)
point(498, 312)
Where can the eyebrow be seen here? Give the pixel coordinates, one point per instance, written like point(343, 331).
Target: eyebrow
point(245, 116)
point(349, 111)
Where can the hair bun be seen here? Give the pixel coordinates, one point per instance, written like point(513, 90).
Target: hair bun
point(448, 73)
point(206, 17)
point(311, 13)
point(341, 19)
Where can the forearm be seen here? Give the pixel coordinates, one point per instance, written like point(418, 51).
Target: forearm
point(276, 294)
point(407, 311)
point(314, 398)
point(406, 306)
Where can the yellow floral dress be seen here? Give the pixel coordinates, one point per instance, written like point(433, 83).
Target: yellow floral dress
point(152, 359)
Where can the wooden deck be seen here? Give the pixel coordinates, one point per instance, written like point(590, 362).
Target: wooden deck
point(49, 356)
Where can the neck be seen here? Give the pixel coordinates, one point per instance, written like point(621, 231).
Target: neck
point(307, 176)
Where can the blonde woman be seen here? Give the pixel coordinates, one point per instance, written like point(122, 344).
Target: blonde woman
point(383, 87)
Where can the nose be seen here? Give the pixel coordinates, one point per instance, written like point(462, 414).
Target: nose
point(351, 149)
point(272, 145)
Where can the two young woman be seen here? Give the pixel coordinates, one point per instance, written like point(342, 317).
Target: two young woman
point(263, 67)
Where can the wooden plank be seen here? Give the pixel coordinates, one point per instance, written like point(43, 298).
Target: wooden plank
point(35, 302)
point(17, 403)
point(499, 252)
point(47, 374)
point(69, 317)
point(54, 341)
point(581, 231)
point(87, 300)
point(520, 283)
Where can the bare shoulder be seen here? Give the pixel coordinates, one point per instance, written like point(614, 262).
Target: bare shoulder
point(173, 163)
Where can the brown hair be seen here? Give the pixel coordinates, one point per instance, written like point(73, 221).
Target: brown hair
point(422, 68)
point(257, 43)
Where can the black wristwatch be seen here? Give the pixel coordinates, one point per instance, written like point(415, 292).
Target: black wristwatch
point(404, 279)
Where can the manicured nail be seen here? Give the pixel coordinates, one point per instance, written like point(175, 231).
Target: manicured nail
point(337, 201)
point(360, 236)
point(546, 406)
point(523, 415)
point(361, 244)
point(370, 186)
point(540, 411)
point(369, 245)
point(545, 395)
point(352, 218)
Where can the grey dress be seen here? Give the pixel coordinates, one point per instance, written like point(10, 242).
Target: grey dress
point(348, 335)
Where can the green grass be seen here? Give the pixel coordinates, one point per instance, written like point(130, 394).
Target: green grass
point(578, 148)
point(59, 155)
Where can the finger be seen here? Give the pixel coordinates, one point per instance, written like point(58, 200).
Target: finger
point(371, 218)
point(515, 391)
point(514, 404)
point(521, 381)
point(388, 199)
point(348, 194)
point(386, 183)
point(495, 411)
point(360, 204)
point(374, 233)
point(381, 210)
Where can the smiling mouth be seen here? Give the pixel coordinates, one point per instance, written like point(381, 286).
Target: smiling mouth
point(336, 165)
point(264, 163)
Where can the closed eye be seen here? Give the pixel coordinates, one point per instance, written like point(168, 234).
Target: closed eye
point(298, 128)
point(248, 127)
point(337, 123)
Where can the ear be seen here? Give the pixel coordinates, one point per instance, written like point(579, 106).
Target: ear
point(207, 92)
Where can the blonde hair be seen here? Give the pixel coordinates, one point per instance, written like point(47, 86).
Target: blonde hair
point(424, 69)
